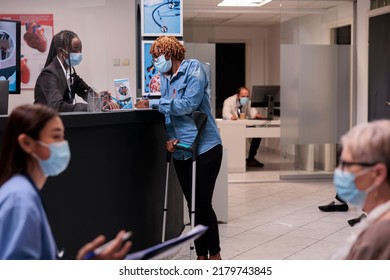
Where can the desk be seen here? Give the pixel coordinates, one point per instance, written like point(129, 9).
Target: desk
point(234, 134)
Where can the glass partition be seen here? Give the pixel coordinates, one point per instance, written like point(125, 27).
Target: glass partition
point(315, 91)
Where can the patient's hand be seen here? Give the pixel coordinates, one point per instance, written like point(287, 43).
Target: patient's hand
point(142, 104)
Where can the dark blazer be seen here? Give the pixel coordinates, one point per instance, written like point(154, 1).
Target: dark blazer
point(51, 89)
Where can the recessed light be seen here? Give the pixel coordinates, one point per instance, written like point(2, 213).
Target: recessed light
point(243, 3)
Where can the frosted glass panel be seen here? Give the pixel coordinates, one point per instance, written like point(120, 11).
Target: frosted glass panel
point(315, 89)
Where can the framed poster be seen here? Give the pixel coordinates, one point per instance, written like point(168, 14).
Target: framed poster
point(161, 17)
point(36, 35)
point(150, 76)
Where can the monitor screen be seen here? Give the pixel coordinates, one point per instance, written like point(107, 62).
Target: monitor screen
point(10, 54)
point(259, 95)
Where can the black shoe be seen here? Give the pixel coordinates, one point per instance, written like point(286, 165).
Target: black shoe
point(357, 220)
point(252, 162)
point(333, 207)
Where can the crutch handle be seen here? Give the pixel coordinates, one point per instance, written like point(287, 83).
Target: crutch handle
point(182, 146)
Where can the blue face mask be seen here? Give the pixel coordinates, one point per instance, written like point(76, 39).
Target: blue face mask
point(346, 188)
point(244, 100)
point(58, 160)
point(75, 59)
point(163, 65)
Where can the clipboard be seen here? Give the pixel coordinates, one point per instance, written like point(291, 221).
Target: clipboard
point(163, 249)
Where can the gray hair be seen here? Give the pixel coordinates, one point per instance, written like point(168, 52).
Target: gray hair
point(369, 142)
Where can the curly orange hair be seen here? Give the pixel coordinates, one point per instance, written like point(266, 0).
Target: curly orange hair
point(165, 44)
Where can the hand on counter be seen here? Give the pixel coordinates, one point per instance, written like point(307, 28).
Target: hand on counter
point(115, 251)
point(142, 104)
point(110, 106)
point(233, 117)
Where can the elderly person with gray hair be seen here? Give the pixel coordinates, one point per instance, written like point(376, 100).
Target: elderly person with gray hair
point(363, 179)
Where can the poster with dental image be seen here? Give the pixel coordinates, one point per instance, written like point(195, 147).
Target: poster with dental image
point(36, 33)
point(161, 17)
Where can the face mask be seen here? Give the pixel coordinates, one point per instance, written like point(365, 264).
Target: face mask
point(346, 187)
point(163, 65)
point(75, 59)
point(244, 100)
point(58, 160)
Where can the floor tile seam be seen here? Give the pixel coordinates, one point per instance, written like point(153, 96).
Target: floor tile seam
point(318, 240)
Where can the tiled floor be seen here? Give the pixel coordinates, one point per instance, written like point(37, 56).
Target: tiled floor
point(275, 220)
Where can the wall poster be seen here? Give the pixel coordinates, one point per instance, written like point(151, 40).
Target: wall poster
point(150, 76)
point(36, 33)
point(161, 17)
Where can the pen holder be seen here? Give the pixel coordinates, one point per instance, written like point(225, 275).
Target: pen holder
point(95, 101)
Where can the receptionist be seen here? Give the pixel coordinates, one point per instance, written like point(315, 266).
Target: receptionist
point(58, 83)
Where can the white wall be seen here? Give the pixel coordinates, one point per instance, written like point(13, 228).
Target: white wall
point(106, 29)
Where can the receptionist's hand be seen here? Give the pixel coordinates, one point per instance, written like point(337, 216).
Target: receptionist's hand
point(233, 117)
point(258, 116)
point(171, 145)
point(142, 104)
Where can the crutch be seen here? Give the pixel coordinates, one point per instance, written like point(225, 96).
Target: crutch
point(200, 120)
point(166, 197)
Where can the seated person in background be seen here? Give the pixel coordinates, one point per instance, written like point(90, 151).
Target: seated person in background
point(339, 205)
point(233, 106)
point(58, 83)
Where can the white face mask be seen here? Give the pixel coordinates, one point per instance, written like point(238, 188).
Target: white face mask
point(58, 160)
point(162, 65)
point(75, 59)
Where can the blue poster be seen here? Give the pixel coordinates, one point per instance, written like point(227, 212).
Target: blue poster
point(151, 77)
point(162, 17)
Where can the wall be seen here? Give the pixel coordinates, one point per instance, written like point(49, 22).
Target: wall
point(106, 29)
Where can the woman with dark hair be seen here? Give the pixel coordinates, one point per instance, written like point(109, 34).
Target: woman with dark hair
point(58, 82)
point(34, 148)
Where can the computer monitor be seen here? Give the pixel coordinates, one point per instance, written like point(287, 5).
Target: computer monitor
point(267, 97)
point(10, 53)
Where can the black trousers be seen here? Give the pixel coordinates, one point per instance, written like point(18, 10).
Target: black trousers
point(207, 169)
point(255, 143)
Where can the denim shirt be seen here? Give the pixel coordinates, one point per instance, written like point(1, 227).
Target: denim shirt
point(181, 95)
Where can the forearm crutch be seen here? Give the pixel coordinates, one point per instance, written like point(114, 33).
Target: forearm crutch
point(200, 120)
point(166, 197)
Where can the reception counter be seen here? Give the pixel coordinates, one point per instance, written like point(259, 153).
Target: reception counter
point(115, 180)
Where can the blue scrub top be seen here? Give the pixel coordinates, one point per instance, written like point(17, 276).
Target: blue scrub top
point(24, 229)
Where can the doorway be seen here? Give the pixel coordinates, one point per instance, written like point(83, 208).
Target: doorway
point(379, 68)
point(230, 72)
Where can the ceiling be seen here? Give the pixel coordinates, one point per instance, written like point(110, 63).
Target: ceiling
point(206, 12)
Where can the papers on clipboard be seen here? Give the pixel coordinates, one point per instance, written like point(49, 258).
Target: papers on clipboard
point(164, 249)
